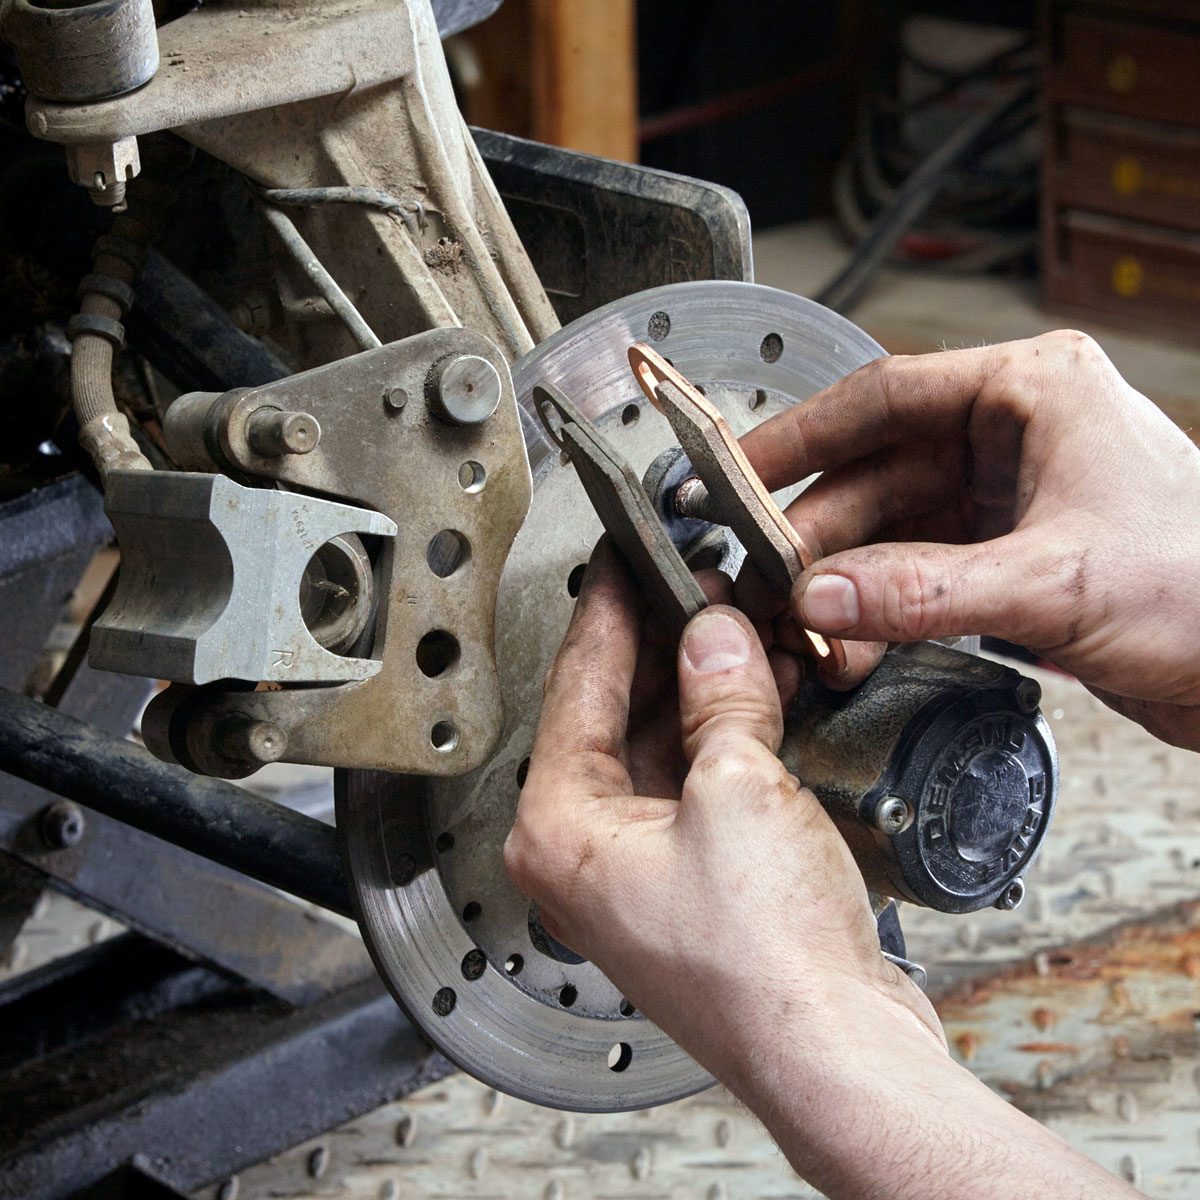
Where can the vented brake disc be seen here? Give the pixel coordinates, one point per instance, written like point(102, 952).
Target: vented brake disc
point(458, 945)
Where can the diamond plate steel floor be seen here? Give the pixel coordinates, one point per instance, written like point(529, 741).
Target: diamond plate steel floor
point(1081, 1007)
point(1098, 1042)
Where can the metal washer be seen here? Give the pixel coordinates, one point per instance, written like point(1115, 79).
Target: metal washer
point(424, 855)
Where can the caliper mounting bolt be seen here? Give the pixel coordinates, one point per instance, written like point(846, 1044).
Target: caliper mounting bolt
point(62, 825)
point(241, 739)
point(273, 432)
point(466, 390)
point(892, 815)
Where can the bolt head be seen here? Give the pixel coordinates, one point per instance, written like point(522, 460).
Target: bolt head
point(468, 390)
point(1029, 695)
point(893, 815)
point(1012, 896)
point(62, 825)
point(299, 432)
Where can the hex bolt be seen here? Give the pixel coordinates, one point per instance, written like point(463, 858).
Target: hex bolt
point(466, 390)
point(62, 825)
point(242, 739)
point(1012, 896)
point(273, 432)
point(892, 815)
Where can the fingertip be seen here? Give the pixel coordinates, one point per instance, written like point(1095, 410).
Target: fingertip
point(716, 586)
point(717, 639)
point(827, 602)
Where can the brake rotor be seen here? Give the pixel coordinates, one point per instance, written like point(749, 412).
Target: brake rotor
point(458, 945)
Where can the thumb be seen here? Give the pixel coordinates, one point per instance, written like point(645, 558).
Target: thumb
point(912, 591)
point(727, 690)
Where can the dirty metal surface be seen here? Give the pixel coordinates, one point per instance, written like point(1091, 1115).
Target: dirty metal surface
point(1100, 1048)
point(626, 511)
point(454, 938)
point(328, 96)
point(597, 230)
point(210, 580)
point(458, 494)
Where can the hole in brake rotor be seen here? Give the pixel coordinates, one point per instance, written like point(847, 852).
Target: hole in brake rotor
point(620, 1056)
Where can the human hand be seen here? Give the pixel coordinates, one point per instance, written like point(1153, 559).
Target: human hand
point(1021, 490)
point(661, 838)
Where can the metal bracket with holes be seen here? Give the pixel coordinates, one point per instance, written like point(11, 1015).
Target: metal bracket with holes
point(426, 433)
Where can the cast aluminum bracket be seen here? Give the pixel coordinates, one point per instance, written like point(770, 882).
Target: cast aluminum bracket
point(210, 580)
point(457, 494)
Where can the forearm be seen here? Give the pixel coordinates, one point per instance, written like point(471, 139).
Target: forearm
point(889, 1116)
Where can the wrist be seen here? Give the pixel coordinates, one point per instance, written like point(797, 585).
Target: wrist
point(829, 1038)
point(877, 1108)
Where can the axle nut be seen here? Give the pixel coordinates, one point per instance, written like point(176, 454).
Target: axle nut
point(466, 390)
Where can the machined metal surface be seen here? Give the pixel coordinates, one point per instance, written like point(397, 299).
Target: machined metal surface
point(457, 493)
point(210, 580)
point(456, 942)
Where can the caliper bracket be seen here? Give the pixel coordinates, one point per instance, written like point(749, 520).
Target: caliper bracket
point(424, 432)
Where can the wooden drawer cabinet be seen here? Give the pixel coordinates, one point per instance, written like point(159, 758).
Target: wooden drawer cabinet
point(1128, 168)
point(1121, 173)
point(1127, 65)
point(1126, 269)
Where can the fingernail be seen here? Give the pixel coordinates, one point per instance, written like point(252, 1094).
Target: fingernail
point(830, 603)
point(715, 642)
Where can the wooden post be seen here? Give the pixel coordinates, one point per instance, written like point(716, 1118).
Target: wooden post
point(583, 61)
